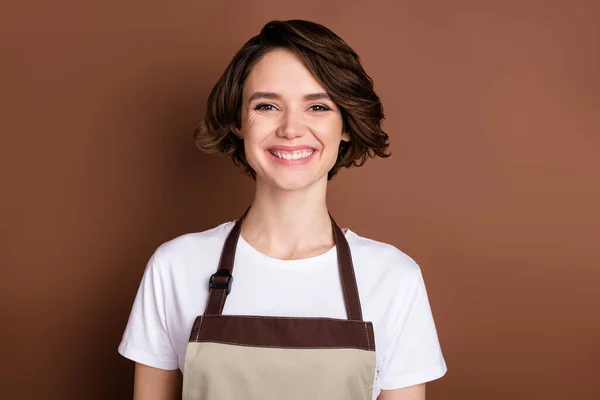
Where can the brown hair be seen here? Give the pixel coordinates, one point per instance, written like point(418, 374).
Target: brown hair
point(333, 64)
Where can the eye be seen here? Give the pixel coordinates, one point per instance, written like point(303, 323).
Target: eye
point(319, 107)
point(266, 107)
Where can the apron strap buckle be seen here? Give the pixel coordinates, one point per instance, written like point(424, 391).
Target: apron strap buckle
point(222, 279)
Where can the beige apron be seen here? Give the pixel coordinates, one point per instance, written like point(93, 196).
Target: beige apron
point(234, 357)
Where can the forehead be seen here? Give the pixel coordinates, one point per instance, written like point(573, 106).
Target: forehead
point(281, 71)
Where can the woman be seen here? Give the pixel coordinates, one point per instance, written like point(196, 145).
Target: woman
point(281, 303)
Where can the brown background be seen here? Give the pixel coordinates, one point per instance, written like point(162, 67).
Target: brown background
point(493, 186)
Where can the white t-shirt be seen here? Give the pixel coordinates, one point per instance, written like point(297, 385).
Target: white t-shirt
point(174, 290)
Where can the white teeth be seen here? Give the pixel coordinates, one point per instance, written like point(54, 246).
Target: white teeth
point(296, 155)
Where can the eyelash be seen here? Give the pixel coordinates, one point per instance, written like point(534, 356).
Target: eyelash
point(323, 108)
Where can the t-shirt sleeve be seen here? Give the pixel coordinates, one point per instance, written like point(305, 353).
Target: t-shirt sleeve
point(146, 338)
point(413, 354)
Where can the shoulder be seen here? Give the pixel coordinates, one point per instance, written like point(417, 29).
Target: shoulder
point(381, 253)
point(383, 261)
point(192, 247)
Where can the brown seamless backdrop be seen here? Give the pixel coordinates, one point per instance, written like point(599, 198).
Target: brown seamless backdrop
point(493, 113)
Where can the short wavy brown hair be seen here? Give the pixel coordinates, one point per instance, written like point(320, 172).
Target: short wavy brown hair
point(333, 64)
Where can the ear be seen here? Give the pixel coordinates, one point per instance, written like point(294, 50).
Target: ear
point(235, 130)
point(346, 136)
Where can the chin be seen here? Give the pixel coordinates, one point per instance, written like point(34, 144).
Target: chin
point(292, 183)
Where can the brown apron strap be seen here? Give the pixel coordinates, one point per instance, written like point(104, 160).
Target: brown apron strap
point(349, 286)
point(220, 282)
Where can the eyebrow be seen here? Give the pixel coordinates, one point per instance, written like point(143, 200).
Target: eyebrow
point(276, 96)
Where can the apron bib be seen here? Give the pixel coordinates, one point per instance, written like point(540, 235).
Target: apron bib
point(235, 357)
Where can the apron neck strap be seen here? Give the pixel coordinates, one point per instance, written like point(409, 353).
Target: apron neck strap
point(220, 282)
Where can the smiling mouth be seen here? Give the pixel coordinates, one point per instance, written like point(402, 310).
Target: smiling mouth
point(292, 155)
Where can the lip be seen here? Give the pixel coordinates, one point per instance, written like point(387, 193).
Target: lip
point(290, 148)
point(290, 163)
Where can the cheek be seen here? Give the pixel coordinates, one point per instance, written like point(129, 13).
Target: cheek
point(256, 127)
point(330, 134)
point(250, 133)
point(252, 128)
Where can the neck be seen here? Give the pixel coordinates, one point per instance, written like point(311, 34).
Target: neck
point(289, 224)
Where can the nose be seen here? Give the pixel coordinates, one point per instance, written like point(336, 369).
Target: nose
point(291, 125)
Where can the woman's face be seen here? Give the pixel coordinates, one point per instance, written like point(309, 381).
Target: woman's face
point(290, 126)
